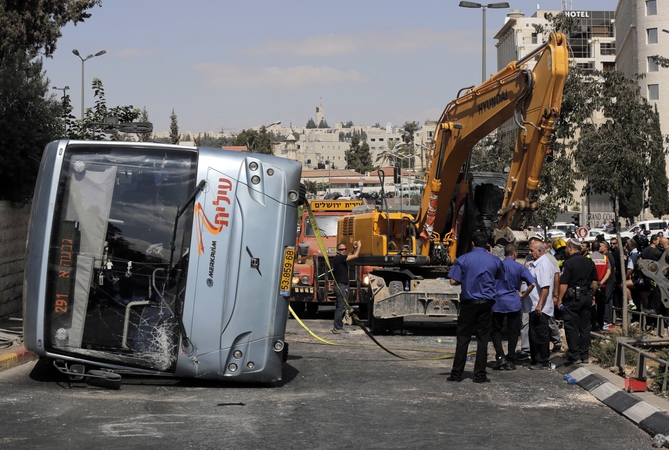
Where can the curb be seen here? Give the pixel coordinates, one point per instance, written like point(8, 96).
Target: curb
point(648, 417)
point(15, 358)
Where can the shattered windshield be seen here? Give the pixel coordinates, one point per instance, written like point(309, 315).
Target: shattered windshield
point(110, 253)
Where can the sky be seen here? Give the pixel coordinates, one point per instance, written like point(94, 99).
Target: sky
point(229, 65)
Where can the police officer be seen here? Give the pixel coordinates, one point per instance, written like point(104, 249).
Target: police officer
point(477, 272)
point(578, 285)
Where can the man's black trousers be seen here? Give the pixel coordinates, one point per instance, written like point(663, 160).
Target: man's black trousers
point(513, 324)
point(540, 336)
point(475, 318)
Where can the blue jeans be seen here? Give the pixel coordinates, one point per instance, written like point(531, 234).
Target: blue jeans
point(340, 309)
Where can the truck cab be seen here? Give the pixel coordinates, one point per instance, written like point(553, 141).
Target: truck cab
point(312, 283)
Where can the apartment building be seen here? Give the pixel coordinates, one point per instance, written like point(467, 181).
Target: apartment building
point(641, 33)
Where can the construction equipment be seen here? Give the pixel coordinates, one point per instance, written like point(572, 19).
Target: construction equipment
point(415, 252)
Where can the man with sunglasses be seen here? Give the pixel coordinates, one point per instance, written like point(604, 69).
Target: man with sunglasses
point(340, 269)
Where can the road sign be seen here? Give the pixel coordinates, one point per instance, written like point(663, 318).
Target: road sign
point(582, 232)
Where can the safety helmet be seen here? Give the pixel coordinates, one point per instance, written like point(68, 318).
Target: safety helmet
point(558, 243)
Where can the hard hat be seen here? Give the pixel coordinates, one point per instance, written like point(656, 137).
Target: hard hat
point(558, 243)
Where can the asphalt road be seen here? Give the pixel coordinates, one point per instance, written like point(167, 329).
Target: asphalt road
point(331, 397)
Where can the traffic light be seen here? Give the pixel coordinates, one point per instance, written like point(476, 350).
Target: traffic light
point(576, 218)
point(397, 174)
point(549, 155)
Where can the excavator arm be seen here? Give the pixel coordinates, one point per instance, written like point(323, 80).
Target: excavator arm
point(532, 96)
point(529, 90)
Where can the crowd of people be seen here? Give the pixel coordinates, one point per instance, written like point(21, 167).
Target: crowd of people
point(561, 280)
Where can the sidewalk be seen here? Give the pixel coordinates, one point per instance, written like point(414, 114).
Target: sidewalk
point(12, 352)
point(647, 410)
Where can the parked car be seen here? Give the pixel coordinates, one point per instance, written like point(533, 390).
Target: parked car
point(565, 226)
point(652, 225)
point(594, 232)
point(555, 233)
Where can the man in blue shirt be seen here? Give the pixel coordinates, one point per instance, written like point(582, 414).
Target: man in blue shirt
point(508, 306)
point(477, 273)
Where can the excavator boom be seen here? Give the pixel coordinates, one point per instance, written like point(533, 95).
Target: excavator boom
point(414, 252)
point(531, 95)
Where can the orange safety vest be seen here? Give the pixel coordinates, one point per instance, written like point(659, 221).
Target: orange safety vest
point(601, 265)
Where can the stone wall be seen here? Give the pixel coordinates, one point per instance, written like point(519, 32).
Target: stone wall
point(13, 233)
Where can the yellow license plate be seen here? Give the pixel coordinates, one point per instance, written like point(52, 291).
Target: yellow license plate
point(287, 271)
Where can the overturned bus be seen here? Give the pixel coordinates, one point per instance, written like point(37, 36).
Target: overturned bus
point(160, 259)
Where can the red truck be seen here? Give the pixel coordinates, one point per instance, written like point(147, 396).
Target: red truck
point(312, 284)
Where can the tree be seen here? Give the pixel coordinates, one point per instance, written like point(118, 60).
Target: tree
point(409, 129)
point(626, 150)
point(657, 185)
point(358, 156)
point(95, 125)
point(348, 124)
point(388, 155)
point(144, 117)
point(208, 140)
point(29, 116)
point(494, 152)
point(315, 187)
point(311, 123)
point(30, 27)
point(175, 137)
point(255, 141)
point(29, 119)
point(323, 124)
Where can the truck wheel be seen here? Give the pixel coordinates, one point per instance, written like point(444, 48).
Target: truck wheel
point(298, 307)
point(312, 308)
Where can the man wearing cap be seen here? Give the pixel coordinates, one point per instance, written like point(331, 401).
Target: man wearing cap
point(578, 283)
point(477, 273)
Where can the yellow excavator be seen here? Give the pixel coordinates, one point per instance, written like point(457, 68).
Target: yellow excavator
point(413, 252)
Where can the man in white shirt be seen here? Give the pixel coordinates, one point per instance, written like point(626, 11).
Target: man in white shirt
point(542, 306)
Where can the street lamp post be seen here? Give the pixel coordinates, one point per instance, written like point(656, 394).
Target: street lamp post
point(464, 4)
point(401, 158)
point(64, 89)
point(76, 52)
point(327, 166)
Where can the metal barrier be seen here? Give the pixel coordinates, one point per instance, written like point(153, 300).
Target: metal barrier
point(621, 345)
point(660, 322)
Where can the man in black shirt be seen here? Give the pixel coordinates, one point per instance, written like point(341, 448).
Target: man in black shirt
point(578, 284)
point(340, 269)
point(652, 253)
